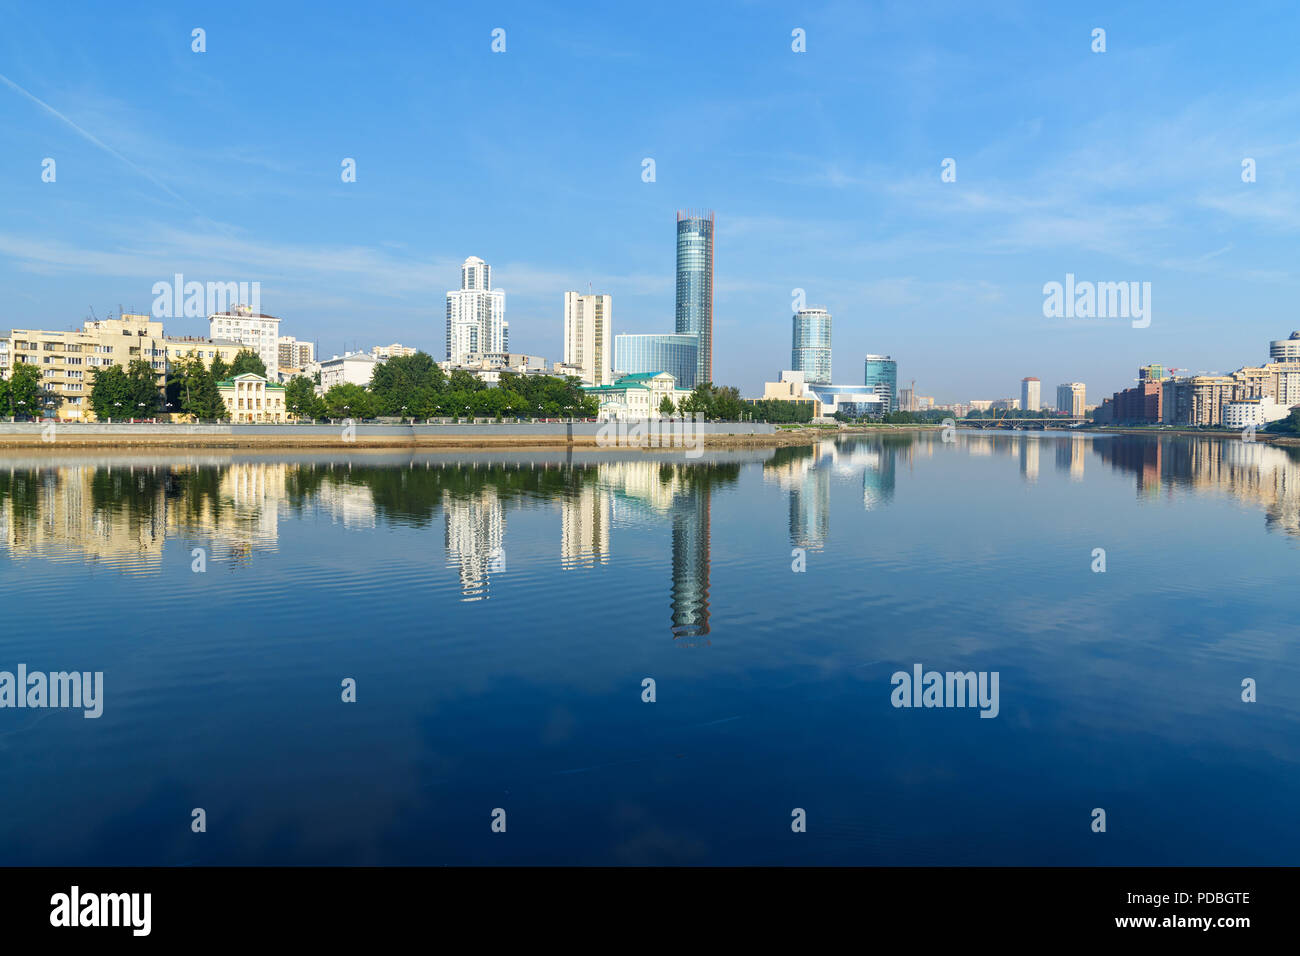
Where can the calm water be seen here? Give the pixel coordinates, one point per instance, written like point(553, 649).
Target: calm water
point(500, 611)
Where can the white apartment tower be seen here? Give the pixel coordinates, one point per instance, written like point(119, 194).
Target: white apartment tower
point(476, 314)
point(257, 332)
point(1030, 391)
point(589, 336)
point(1070, 399)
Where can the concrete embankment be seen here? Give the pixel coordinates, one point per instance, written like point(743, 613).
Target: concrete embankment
point(33, 435)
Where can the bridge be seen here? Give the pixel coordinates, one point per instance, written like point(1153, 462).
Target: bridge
point(1020, 424)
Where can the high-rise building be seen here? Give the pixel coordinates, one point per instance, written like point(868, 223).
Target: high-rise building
point(476, 314)
point(1030, 391)
point(695, 286)
point(881, 373)
point(1285, 350)
point(641, 354)
point(1070, 399)
point(589, 336)
point(293, 355)
point(810, 345)
point(253, 330)
point(1151, 373)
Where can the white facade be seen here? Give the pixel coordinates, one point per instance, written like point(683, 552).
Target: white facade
point(589, 336)
point(384, 352)
point(476, 314)
point(355, 368)
point(1070, 398)
point(253, 330)
point(636, 397)
point(1253, 411)
point(1031, 394)
point(1285, 350)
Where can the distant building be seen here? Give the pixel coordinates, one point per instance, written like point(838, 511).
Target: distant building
point(1030, 394)
point(354, 368)
point(384, 352)
point(589, 336)
point(810, 345)
point(250, 399)
point(1259, 412)
point(881, 373)
point(476, 314)
point(636, 397)
point(1196, 401)
point(196, 347)
point(257, 332)
point(792, 388)
point(695, 289)
point(1070, 399)
point(1285, 350)
point(677, 354)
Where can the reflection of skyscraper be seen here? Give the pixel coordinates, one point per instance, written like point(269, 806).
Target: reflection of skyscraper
point(810, 507)
point(695, 286)
point(1069, 456)
point(584, 527)
point(878, 478)
point(475, 539)
point(690, 592)
point(1029, 448)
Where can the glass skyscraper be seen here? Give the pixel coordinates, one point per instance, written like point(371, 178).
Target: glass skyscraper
point(678, 355)
point(882, 375)
point(695, 287)
point(810, 346)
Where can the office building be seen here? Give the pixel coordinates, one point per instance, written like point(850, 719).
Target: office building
point(476, 314)
point(1070, 399)
point(1030, 397)
point(589, 336)
point(1285, 350)
point(881, 373)
point(256, 332)
point(695, 287)
point(678, 355)
point(810, 345)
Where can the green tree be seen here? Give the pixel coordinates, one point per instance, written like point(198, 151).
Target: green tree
point(349, 401)
point(246, 360)
point(300, 398)
point(219, 369)
point(144, 394)
point(666, 407)
point(192, 390)
point(400, 382)
point(110, 396)
point(25, 393)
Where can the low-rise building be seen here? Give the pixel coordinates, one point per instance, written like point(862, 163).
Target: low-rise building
point(636, 397)
point(251, 399)
point(384, 352)
point(1245, 412)
point(354, 368)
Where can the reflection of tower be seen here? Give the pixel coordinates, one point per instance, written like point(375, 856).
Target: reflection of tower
point(584, 527)
point(1029, 458)
point(878, 478)
point(1069, 456)
point(475, 538)
point(690, 595)
point(810, 509)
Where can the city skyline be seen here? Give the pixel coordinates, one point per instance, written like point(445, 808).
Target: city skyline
point(1072, 175)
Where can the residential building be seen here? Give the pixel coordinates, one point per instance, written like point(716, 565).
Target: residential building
point(1285, 350)
point(1030, 394)
point(255, 331)
point(354, 368)
point(636, 397)
point(810, 345)
point(180, 347)
point(1245, 412)
point(677, 354)
point(881, 373)
point(476, 314)
point(384, 352)
point(294, 356)
point(1070, 399)
point(69, 360)
point(251, 399)
point(589, 336)
point(695, 287)
point(1197, 400)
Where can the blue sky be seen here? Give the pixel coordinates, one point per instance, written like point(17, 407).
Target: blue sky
point(823, 168)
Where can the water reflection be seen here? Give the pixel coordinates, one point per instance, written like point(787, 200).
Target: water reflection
point(120, 512)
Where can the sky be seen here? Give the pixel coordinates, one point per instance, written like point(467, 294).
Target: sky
point(823, 168)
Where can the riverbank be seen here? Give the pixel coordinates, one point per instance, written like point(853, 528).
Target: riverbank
point(1263, 437)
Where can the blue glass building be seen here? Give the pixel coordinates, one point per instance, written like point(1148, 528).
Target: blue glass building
point(678, 355)
point(882, 375)
point(810, 345)
point(695, 287)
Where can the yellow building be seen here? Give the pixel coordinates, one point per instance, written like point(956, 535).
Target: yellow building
point(250, 399)
point(192, 346)
point(69, 360)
